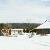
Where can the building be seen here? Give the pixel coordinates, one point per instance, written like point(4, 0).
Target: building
point(7, 32)
point(43, 29)
point(16, 31)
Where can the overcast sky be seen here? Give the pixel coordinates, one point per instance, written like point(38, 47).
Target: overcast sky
point(33, 11)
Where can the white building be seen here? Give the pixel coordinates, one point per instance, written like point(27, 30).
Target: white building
point(16, 31)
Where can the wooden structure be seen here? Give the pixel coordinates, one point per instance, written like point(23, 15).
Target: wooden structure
point(43, 29)
point(6, 32)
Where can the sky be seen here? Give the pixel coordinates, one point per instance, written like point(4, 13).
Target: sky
point(24, 11)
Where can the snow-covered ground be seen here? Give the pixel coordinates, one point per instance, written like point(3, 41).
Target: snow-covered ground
point(23, 42)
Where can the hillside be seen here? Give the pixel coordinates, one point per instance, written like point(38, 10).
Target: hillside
point(24, 25)
point(20, 25)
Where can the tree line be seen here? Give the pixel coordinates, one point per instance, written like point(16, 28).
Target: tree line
point(25, 26)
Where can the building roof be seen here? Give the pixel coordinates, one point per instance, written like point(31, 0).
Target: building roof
point(45, 25)
point(16, 29)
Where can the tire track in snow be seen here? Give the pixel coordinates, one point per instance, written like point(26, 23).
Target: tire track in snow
point(42, 43)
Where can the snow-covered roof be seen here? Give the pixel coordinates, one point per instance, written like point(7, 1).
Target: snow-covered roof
point(45, 25)
point(16, 29)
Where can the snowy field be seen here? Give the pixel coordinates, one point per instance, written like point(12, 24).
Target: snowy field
point(23, 42)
